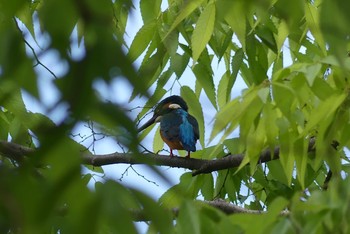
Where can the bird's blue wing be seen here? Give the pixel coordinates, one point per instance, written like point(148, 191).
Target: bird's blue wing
point(188, 131)
point(180, 126)
point(194, 123)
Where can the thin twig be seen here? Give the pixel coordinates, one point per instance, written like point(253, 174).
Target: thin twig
point(38, 62)
point(143, 177)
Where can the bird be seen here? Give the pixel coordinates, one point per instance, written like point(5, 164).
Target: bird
point(178, 129)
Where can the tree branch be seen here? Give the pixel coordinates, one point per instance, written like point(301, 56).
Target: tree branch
point(14, 151)
point(198, 166)
point(227, 208)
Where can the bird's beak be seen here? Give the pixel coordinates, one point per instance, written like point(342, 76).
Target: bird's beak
point(148, 123)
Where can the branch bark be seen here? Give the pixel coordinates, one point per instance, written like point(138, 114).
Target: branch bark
point(227, 208)
point(198, 166)
point(14, 151)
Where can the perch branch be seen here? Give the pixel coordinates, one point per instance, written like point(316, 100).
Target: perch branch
point(14, 151)
point(198, 166)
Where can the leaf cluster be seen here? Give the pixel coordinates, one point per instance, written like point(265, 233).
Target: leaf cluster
point(292, 57)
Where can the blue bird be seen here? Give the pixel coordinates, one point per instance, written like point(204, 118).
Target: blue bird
point(178, 129)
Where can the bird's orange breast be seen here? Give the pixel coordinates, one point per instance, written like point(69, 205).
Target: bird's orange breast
point(172, 144)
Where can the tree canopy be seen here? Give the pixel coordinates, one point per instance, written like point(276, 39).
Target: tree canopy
point(285, 172)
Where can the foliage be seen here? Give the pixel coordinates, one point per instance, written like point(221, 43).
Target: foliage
point(291, 55)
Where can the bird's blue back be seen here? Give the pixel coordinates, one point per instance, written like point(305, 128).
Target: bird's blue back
point(178, 125)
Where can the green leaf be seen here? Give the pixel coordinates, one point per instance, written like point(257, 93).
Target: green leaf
point(151, 69)
point(284, 97)
point(324, 110)
point(262, 222)
point(281, 35)
point(113, 214)
point(160, 217)
point(203, 31)
point(267, 37)
point(188, 220)
point(178, 63)
point(10, 9)
point(220, 184)
point(149, 10)
point(4, 126)
point(282, 226)
point(187, 189)
point(226, 116)
point(208, 187)
point(264, 94)
point(172, 197)
point(287, 156)
point(223, 90)
point(171, 42)
point(18, 132)
point(207, 222)
point(311, 72)
point(276, 207)
point(257, 61)
point(16, 66)
point(209, 152)
point(95, 169)
point(142, 39)
point(184, 12)
point(237, 61)
point(300, 148)
point(121, 9)
point(205, 78)
point(158, 143)
point(234, 145)
point(234, 14)
point(26, 16)
point(230, 187)
point(11, 99)
point(50, 13)
point(163, 79)
point(335, 29)
point(322, 89)
point(221, 40)
point(312, 16)
point(253, 135)
point(269, 115)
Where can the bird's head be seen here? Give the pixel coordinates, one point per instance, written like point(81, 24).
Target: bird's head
point(165, 106)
